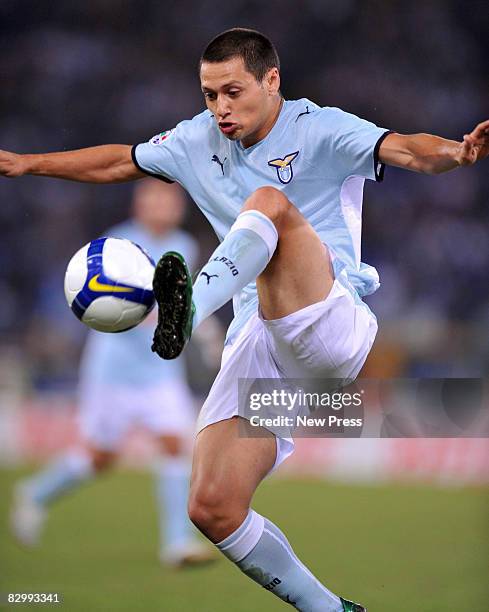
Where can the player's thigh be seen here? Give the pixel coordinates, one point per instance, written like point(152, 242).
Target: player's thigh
point(229, 464)
point(300, 272)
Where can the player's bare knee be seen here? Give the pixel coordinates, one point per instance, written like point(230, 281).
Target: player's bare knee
point(271, 202)
point(205, 506)
point(211, 512)
point(101, 461)
point(171, 446)
point(201, 515)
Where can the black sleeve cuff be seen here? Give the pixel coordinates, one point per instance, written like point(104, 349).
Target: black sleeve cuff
point(379, 168)
point(135, 162)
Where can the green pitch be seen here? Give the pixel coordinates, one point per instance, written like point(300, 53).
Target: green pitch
point(393, 548)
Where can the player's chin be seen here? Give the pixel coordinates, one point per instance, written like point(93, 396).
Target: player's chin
point(234, 135)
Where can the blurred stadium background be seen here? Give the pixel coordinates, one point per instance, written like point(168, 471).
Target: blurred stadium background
point(399, 524)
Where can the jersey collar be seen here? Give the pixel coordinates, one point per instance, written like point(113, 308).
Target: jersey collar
point(275, 128)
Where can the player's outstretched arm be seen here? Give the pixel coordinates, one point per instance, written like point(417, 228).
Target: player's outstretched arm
point(103, 164)
point(432, 154)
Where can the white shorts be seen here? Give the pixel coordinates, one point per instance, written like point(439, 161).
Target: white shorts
point(329, 339)
point(107, 412)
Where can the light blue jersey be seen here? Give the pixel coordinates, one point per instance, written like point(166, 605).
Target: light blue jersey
point(127, 359)
point(319, 157)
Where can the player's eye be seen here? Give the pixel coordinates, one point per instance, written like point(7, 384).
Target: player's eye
point(233, 93)
point(209, 95)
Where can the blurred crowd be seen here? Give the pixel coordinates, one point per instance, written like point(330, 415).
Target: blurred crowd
point(77, 74)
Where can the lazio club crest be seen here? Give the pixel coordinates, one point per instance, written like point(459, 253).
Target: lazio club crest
point(284, 167)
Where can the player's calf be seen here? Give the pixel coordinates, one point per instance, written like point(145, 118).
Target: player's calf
point(262, 552)
point(35, 494)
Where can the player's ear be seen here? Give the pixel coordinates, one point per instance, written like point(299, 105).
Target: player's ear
point(272, 80)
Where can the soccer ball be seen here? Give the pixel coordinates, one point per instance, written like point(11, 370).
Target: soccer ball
point(108, 284)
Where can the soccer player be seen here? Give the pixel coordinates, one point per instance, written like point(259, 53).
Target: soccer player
point(123, 383)
point(281, 183)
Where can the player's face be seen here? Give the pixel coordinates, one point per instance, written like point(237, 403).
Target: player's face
point(244, 109)
point(158, 205)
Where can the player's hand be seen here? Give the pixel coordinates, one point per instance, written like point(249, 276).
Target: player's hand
point(11, 164)
point(475, 146)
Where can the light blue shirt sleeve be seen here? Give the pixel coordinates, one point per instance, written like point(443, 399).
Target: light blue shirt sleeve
point(176, 154)
point(348, 144)
point(163, 156)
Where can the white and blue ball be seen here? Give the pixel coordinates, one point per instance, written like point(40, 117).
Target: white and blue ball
point(108, 284)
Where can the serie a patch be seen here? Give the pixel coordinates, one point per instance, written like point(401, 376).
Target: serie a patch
point(160, 138)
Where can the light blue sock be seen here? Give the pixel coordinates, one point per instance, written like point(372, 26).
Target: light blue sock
point(238, 260)
point(262, 552)
point(172, 476)
point(60, 476)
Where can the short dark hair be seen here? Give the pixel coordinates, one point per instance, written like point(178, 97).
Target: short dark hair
point(257, 51)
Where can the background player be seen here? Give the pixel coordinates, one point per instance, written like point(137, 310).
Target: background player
point(243, 94)
point(122, 383)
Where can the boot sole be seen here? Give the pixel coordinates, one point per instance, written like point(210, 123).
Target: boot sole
point(172, 287)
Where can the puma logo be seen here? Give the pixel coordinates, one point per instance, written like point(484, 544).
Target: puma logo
point(306, 112)
point(218, 161)
point(209, 276)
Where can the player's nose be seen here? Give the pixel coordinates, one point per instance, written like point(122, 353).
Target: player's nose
point(222, 108)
